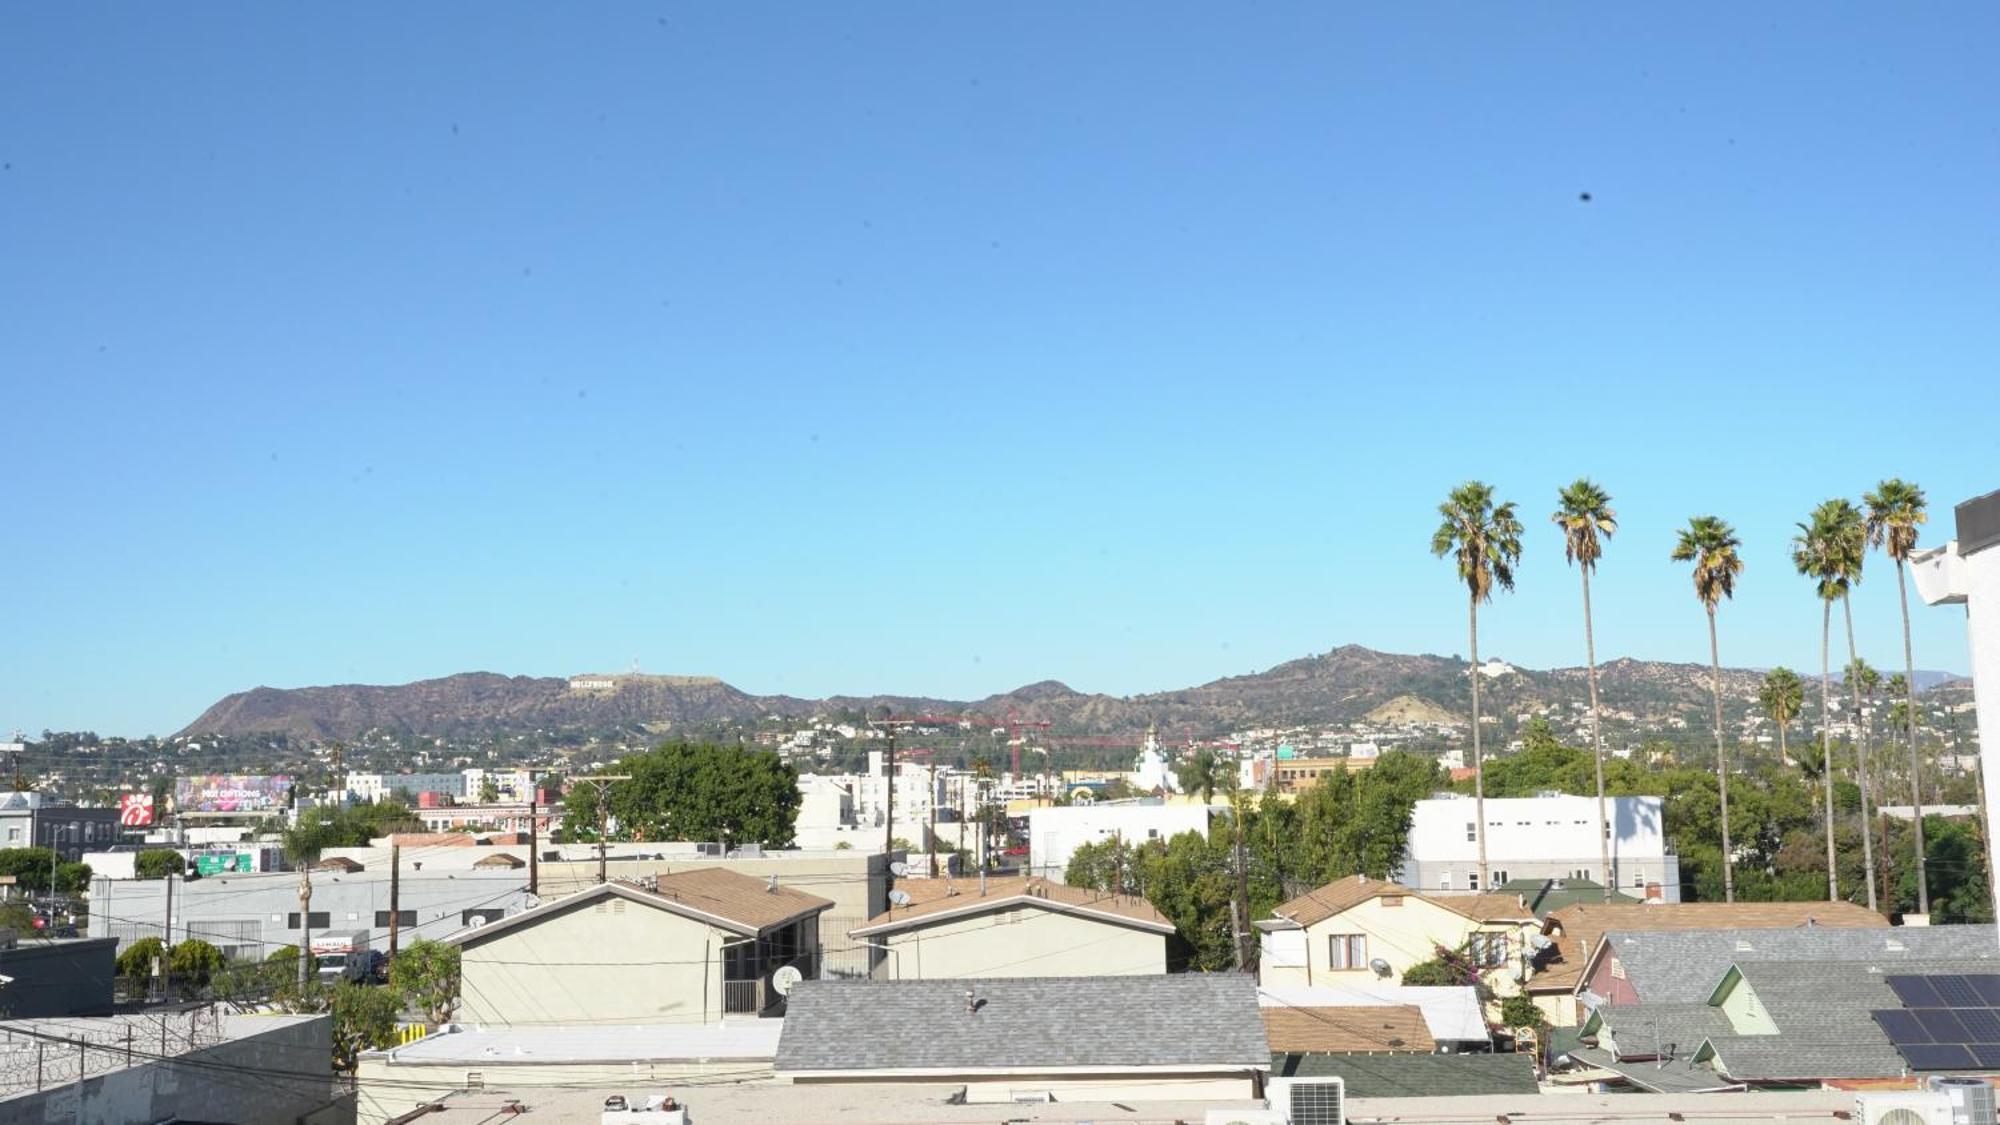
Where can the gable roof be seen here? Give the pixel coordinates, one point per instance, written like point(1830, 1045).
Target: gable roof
point(1576, 930)
point(1451, 1012)
point(1386, 1027)
point(723, 898)
point(937, 901)
point(1684, 966)
point(1341, 895)
point(1182, 1022)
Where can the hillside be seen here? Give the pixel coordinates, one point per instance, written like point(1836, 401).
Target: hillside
point(1350, 684)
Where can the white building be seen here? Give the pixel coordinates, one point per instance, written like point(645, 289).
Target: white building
point(514, 786)
point(1552, 836)
point(1151, 773)
point(367, 788)
point(1055, 833)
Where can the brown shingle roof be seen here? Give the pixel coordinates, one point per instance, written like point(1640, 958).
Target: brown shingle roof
point(432, 839)
point(1341, 895)
point(1577, 929)
point(1387, 1027)
point(502, 859)
point(732, 901)
point(933, 898)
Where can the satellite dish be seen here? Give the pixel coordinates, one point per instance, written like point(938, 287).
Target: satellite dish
point(1380, 966)
point(785, 979)
point(899, 869)
point(1538, 942)
point(476, 921)
point(899, 898)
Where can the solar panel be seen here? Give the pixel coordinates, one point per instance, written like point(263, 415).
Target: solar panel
point(1937, 1056)
point(1982, 1025)
point(1956, 991)
point(1988, 987)
point(1901, 1026)
point(1986, 1054)
point(1915, 992)
point(1942, 1025)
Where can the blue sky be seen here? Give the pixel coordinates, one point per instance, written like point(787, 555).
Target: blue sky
point(942, 348)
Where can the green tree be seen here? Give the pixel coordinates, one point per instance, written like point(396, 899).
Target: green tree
point(1110, 865)
point(158, 863)
point(1711, 545)
point(426, 975)
point(193, 961)
point(137, 961)
point(1819, 554)
point(1583, 511)
point(691, 791)
point(1203, 773)
point(1781, 695)
point(1851, 534)
point(1521, 1011)
point(1484, 539)
point(1896, 509)
point(364, 1019)
point(30, 869)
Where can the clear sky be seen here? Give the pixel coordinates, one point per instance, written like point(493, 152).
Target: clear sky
point(942, 348)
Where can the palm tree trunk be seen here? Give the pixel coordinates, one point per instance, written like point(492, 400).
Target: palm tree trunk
point(1784, 759)
point(1597, 744)
point(1861, 762)
point(1916, 785)
point(1721, 763)
point(1478, 761)
point(305, 926)
point(1826, 742)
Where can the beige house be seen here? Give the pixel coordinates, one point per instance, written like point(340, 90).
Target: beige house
point(1017, 927)
point(1362, 929)
point(685, 948)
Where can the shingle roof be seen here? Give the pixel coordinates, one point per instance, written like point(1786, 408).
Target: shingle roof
point(1415, 1076)
point(1341, 895)
point(1576, 929)
point(1685, 966)
point(934, 900)
point(1388, 1027)
point(1188, 1021)
point(729, 900)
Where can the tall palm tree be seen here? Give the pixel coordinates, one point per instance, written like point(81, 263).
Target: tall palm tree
point(1780, 696)
point(1862, 682)
point(1583, 511)
point(1851, 549)
point(1710, 544)
point(1816, 554)
point(1895, 510)
point(308, 835)
point(1485, 540)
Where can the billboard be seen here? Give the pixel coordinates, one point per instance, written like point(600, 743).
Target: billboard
point(135, 810)
point(231, 793)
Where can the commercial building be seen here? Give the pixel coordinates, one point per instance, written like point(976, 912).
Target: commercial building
point(1015, 927)
point(37, 820)
point(1055, 833)
point(1070, 1039)
point(684, 948)
point(42, 979)
point(247, 916)
point(368, 788)
point(182, 1065)
point(1551, 836)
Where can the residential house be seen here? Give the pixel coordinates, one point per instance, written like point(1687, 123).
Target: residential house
point(1571, 935)
point(683, 948)
point(1015, 927)
point(1102, 1039)
point(1550, 836)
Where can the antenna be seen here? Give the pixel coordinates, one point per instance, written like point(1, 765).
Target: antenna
point(900, 898)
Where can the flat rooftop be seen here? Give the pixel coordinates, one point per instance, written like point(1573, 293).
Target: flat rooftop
point(744, 1040)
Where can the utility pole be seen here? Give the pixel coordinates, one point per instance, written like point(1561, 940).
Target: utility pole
point(889, 725)
point(534, 841)
point(601, 782)
point(395, 895)
point(930, 798)
point(167, 966)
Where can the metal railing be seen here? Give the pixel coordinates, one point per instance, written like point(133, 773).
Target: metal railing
point(742, 997)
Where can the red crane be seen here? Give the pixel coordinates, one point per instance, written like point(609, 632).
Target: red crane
point(1014, 739)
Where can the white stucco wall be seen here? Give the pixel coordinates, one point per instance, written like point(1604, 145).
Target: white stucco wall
point(1024, 941)
point(611, 961)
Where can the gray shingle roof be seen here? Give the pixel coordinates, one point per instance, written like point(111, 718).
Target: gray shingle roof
point(1685, 966)
point(1415, 1076)
point(1821, 1010)
point(1674, 1030)
point(1197, 1021)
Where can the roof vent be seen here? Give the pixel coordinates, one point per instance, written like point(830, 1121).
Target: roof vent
point(971, 1002)
point(771, 887)
point(1743, 946)
point(1894, 945)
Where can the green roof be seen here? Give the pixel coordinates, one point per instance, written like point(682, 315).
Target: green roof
point(1543, 896)
point(1415, 1076)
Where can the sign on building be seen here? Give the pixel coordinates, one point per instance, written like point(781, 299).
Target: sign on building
point(135, 810)
point(224, 863)
point(231, 793)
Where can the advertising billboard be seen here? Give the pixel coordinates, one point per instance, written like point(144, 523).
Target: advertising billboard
point(135, 810)
point(231, 793)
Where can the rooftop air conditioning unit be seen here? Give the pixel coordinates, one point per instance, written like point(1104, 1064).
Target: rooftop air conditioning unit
point(1972, 1099)
point(1311, 1101)
point(1903, 1107)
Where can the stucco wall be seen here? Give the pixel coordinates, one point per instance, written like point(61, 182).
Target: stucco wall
point(1024, 941)
point(1403, 936)
point(611, 961)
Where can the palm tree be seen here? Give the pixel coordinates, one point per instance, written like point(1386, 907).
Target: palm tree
point(1710, 544)
point(1584, 513)
point(1816, 554)
point(303, 841)
point(1851, 548)
point(1485, 540)
point(1862, 682)
point(1781, 696)
point(1895, 509)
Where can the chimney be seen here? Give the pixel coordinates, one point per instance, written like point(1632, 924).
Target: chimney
point(771, 887)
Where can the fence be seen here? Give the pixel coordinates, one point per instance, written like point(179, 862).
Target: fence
point(42, 1055)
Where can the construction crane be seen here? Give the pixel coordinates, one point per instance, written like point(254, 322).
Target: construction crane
point(1015, 739)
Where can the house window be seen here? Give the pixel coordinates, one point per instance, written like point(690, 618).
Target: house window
point(1347, 951)
point(1471, 832)
point(1489, 951)
point(318, 920)
point(1639, 881)
point(1444, 881)
point(1472, 880)
point(1607, 830)
point(1499, 878)
point(403, 918)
